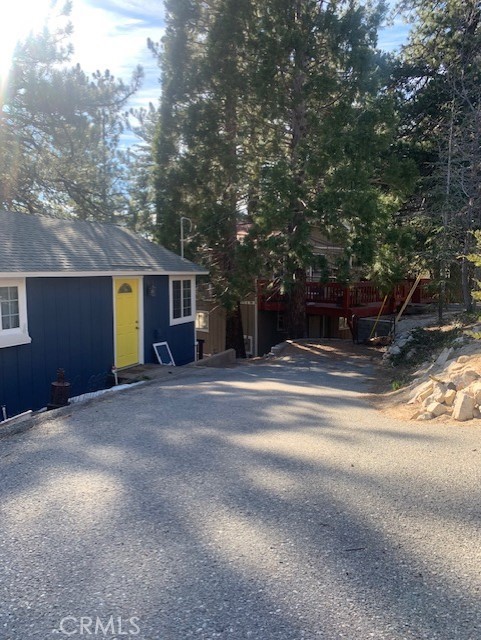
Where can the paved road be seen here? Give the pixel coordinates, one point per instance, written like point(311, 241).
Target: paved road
point(263, 501)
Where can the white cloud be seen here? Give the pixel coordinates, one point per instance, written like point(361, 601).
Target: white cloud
point(104, 39)
point(112, 34)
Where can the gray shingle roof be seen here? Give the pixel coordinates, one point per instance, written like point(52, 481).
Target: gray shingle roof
point(31, 244)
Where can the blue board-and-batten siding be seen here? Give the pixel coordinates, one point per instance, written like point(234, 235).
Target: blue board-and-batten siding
point(70, 321)
point(181, 337)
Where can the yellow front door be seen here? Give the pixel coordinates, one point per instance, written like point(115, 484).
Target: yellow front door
point(126, 322)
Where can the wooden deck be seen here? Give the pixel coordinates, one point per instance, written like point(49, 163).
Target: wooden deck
point(361, 299)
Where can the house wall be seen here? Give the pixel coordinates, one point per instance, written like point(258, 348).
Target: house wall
point(317, 327)
point(248, 312)
point(268, 334)
point(214, 338)
point(70, 321)
point(327, 327)
point(181, 337)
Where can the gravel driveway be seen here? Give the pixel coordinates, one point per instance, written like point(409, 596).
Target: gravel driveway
point(264, 501)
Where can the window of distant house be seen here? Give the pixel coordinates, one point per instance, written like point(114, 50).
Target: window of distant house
point(182, 301)
point(13, 313)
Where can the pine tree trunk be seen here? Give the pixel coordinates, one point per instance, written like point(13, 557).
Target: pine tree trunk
point(296, 319)
point(234, 338)
point(466, 285)
point(296, 291)
point(439, 275)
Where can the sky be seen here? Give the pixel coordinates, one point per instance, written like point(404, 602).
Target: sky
point(112, 34)
point(120, 29)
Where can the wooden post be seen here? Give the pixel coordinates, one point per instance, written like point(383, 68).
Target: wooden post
point(378, 316)
point(408, 299)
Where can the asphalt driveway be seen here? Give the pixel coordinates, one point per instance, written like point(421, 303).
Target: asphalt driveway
point(264, 501)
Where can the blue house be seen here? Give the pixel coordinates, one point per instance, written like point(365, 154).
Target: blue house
point(84, 297)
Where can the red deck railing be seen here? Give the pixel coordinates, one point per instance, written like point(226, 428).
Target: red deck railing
point(345, 297)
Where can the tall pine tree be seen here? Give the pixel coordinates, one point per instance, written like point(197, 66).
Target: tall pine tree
point(439, 84)
point(60, 133)
point(275, 113)
point(320, 81)
point(199, 146)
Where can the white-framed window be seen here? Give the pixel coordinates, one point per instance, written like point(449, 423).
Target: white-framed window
point(13, 313)
point(182, 302)
point(202, 321)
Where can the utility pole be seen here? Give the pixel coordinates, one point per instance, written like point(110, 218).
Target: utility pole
point(182, 233)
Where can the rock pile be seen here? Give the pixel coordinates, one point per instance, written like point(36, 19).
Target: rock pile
point(397, 345)
point(455, 390)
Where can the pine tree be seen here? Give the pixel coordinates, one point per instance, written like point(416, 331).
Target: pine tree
point(320, 81)
point(200, 137)
point(140, 168)
point(440, 81)
point(59, 134)
point(276, 113)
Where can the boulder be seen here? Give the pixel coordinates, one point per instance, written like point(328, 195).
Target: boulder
point(436, 409)
point(425, 416)
point(444, 356)
point(422, 391)
point(454, 367)
point(427, 400)
point(450, 397)
point(423, 369)
point(463, 407)
point(474, 390)
point(403, 340)
point(464, 378)
point(439, 392)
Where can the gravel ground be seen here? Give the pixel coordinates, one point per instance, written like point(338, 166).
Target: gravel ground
point(265, 501)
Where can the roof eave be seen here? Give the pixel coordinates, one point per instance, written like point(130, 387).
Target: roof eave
point(91, 274)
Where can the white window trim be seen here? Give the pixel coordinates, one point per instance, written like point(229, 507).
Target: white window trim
point(183, 319)
point(15, 337)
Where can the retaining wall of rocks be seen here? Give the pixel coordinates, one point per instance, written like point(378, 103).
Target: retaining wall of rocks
point(454, 389)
